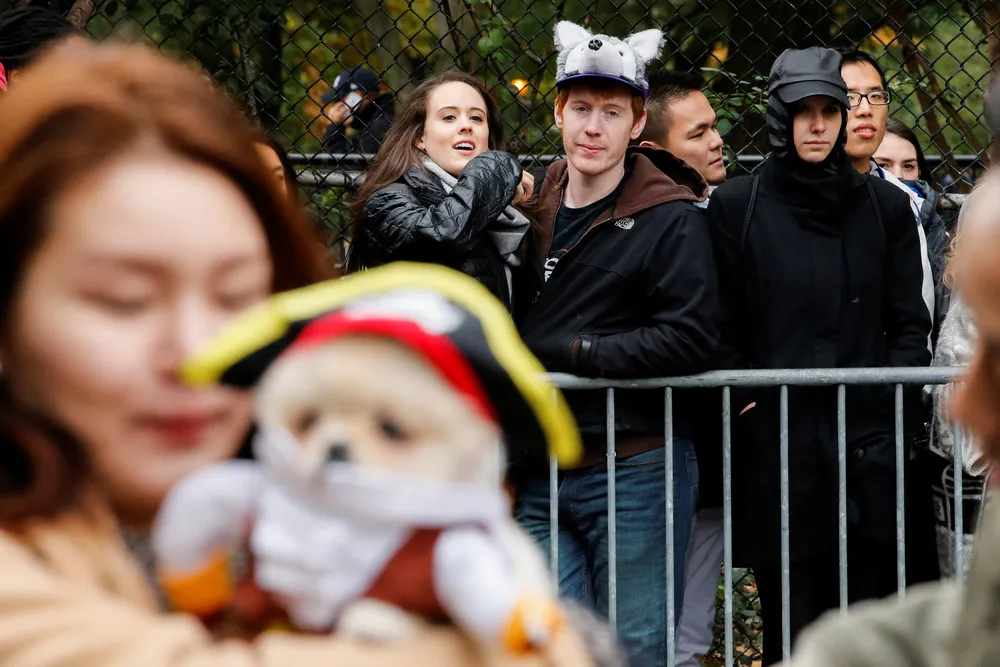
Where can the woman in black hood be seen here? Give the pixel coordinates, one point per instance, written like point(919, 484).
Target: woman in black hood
point(819, 267)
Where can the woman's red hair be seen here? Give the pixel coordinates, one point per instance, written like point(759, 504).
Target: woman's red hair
point(74, 110)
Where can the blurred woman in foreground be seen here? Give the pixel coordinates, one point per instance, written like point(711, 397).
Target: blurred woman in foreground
point(136, 219)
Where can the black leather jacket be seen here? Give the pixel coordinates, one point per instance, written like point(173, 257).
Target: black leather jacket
point(416, 220)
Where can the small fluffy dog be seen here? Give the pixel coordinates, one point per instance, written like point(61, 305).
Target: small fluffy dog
point(375, 504)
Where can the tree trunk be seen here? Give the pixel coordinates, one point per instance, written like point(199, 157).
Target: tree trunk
point(269, 48)
point(389, 54)
point(80, 12)
point(920, 69)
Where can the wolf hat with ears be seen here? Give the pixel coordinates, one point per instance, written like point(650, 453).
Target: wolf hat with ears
point(582, 54)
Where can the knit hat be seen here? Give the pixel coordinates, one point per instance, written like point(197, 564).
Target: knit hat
point(448, 318)
point(585, 55)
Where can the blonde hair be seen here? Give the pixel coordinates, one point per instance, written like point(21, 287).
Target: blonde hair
point(948, 277)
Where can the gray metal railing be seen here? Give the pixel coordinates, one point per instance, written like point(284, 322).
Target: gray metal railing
point(827, 377)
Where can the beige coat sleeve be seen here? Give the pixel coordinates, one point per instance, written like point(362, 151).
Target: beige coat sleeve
point(914, 632)
point(51, 621)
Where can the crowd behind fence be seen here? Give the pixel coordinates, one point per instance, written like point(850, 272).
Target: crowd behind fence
point(280, 57)
point(841, 378)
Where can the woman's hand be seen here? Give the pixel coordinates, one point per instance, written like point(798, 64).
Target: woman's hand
point(525, 189)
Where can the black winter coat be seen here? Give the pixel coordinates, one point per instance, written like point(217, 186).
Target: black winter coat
point(800, 294)
point(416, 220)
point(637, 292)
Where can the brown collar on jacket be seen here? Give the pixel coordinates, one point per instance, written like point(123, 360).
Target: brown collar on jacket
point(652, 177)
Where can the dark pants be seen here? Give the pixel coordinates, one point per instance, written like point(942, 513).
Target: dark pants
point(641, 540)
point(815, 589)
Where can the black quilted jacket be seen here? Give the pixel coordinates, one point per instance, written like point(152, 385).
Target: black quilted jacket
point(415, 220)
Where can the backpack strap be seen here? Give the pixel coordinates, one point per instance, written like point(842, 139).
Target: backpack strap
point(750, 206)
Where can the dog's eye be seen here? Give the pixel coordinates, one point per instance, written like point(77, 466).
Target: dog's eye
point(391, 430)
point(305, 421)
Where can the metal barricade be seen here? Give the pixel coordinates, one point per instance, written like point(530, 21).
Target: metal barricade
point(840, 378)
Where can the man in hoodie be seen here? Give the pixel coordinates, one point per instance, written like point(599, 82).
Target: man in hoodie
point(947, 623)
point(819, 267)
point(628, 291)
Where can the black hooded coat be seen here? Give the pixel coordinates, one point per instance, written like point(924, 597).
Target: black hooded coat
point(825, 273)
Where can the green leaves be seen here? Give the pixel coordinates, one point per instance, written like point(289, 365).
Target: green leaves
point(490, 42)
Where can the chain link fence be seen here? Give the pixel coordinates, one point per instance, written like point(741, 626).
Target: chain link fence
point(279, 57)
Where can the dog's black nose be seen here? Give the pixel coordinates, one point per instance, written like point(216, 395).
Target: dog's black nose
point(595, 45)
point(338, 452)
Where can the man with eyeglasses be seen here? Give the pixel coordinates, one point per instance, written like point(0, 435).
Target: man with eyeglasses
point(869, 96)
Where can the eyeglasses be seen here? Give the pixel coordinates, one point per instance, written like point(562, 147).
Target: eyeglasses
point(876, 98)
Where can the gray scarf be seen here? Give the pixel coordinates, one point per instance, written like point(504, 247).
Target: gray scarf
point(506, 232)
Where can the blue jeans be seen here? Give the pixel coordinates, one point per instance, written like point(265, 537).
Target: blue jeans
point(641, 540)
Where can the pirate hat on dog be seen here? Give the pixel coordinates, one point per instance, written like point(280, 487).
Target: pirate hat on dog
point(448, 318)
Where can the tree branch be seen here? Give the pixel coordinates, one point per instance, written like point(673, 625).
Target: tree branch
point(540, 72)
point(80, 12)
point(452, 25)
point(915, 63)
point(479, 31)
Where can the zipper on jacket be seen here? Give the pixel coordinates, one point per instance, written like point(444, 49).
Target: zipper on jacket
point(573, 247)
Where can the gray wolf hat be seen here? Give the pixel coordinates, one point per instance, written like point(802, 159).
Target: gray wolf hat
point(585, 55)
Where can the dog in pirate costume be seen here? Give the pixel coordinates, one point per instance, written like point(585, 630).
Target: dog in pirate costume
point(375, 503)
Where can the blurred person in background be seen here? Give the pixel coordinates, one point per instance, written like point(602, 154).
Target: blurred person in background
point(136, 220)
point(278, 164)
point(360, 111)
point(24, 34)
point(900, 153)
point(439, 191)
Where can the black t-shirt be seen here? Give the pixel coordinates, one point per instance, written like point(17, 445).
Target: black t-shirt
point(572, 224)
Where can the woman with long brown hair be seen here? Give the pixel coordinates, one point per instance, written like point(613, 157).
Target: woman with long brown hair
point(439, 191)
point(136, 220)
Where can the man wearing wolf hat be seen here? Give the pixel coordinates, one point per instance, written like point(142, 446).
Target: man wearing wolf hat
point(626, 289)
